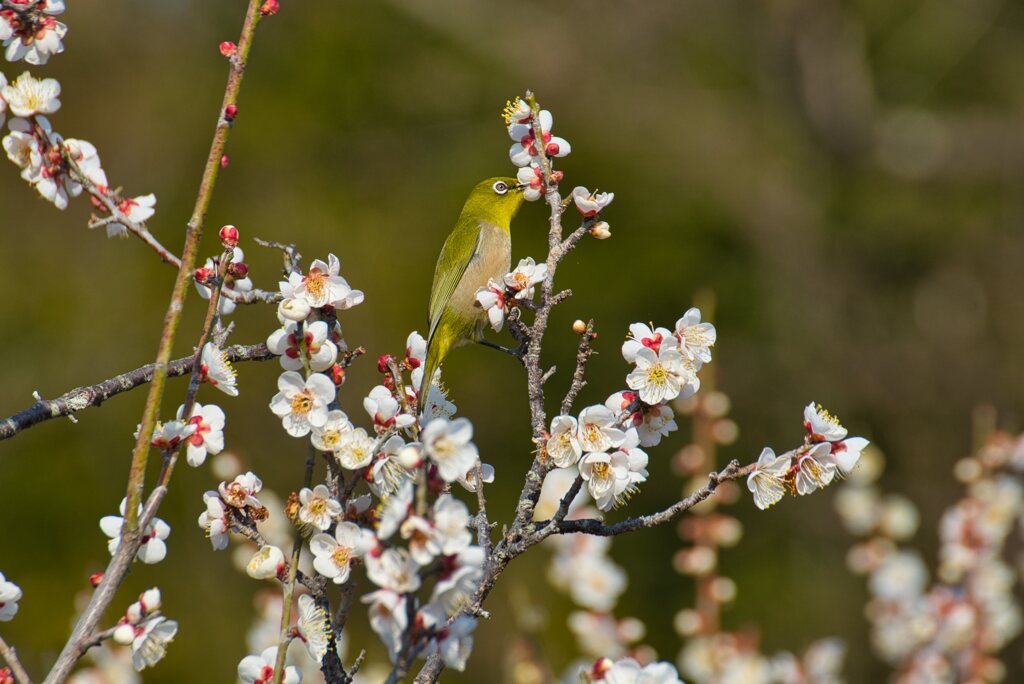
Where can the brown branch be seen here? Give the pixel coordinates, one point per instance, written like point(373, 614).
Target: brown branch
point(10, 656)
point(80, 398)
point(583, 354)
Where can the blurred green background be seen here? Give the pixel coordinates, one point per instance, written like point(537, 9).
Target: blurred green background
point(845, 176)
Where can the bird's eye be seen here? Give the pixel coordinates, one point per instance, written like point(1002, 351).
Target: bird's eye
point(500, 187)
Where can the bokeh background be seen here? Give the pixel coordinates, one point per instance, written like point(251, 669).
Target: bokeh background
point(845, 177)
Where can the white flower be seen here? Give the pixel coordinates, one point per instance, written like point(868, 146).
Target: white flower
point(34, 41)
point(152, 548)
point(388, 618)
point(468, 481)
point(84, 154)
point(356, 449)
point(629, 671)
point(259, 669)
point(451, 519)
point(419, 533)
point(525, 151)
point(327, 437)
point(821, 425)
point(816, 468)
point(526, 274)
point(642, 336)
point(135, 210)
point(314, 628)
point(767, 481)
point(847, 453)
point(454, 642)
point(597, 583)
point(385, 410)
point(901, 577)
point(21, 147)
point(611, 476)
point(168, 436)
point(226, 305)
point(208, 436)
point(333, 555)
point(651, 422)
point(242, 491)
point(214, 520)
point(394, 509)
point(387, 473)
point(150, 643)
point(448, 445)
point(393, 569)
point(659, 376)
point(597, 429)
point(437, 406)
point(267, 563)
point(460, 579)
point(532, 178)
point(10, 594)
point(215, 369)
point(292, 309)
point(563, 446)
point(695, 338)
point(27, 96)
point(415, 357)
point(302, 404)
point(591, 203)
point(317, 507)
point(291, 348)
point(322, 286)
point(492, 300)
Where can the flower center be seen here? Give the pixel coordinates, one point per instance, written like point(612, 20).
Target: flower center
point(601, 470)
point(316, 283)
point(657, 375)
point(302, 403)
point(331, 438)
point(341, 555)
point(317, 506)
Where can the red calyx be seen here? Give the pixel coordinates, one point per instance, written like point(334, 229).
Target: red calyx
point(270, 8)
point(230, 112)
point(227, 48)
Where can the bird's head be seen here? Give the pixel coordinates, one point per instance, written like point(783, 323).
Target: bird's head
point(496, 200)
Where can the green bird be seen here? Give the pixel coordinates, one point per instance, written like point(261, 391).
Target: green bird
point(478, 248)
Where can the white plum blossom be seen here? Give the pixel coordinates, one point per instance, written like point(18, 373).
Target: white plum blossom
point(815, 468)
point(214, 520)
point(419, 534)
point(415, 357)
point(302, 404)
point(597, 429)
point(267, 563)
point(531, 178)
point(451, 520)
point(313, 627)
point(322, 286)
point(596, 582)
point(327, 437)
point(563, 444)
point(695, 338)
point(317, 507)
point(454, 642)
point(821, 425)
point(847, 453)
point(215, 369)
point(241, 492)
point(469, 480)
point(901, 576)
point(629, 671)
point(27, 96)
point(460, 579)
point(643, 336)
point(660, 376)
point(611, 477)
point(10, 594)
point(149, 645)
point(208, 436)
point(387, 473)
point(259, 669)
point(767, 481)
point(133, 209)
point(333, 555)
point(394, 509)
point(591, 203)
point(168, 436)
point(21, 146)
point(526, 275)
point(152, 548)
point(492, 300)
point(34, 41)
point(437, 405)
point(355, 449)
point(312, 344)
point(449, 446)
point(652, 423)
point(524, 150)
point(385, 410)
point(393, 569)
point(388, 618)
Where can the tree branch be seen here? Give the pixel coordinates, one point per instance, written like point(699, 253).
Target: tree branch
point(10, 657)
point(80, 398)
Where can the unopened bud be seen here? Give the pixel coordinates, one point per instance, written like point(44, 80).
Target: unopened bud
point(600, 230)
point(337, 375)
point(6, 676)
point(227, 48)
point(238, 270)
point(229, 236)
point(557, 176)
point(384, 361)
point(294, 309)
point(124, 635)
point(230, 112)
point(409, 457)
point(203, 275)
point(270, 8)
point(150, 600)
point(95, 579)
point(224, 161)
point(579, 327)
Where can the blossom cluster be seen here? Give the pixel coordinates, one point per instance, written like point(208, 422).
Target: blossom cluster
point(145, 630)
point(29, 31)
point(949, 628)
point(825, 453)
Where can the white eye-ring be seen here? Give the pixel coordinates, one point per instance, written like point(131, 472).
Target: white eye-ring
point(500, 187)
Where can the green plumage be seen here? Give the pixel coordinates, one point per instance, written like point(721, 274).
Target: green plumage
point(477, 249)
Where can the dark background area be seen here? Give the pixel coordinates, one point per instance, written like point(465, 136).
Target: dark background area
point(844, 176)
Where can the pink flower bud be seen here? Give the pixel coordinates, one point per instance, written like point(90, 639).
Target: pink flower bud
point(224, 161)
point(203, 275)
point(238, 270)
point(95, 579)
point(383, 361)
point(230, 112)
point(337, 374)
point(270, 8)
point(229, 236)
point(227, 48)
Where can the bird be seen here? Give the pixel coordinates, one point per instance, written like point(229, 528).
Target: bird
point(478, 249)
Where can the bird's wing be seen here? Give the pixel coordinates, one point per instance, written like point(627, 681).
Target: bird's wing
point(460, 247)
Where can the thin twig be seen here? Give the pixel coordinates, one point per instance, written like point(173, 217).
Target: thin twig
point(10, 656)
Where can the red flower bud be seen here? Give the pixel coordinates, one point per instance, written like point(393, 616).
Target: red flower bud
point(551, 149)
point(557, 176)
point(229, 236)
point(230, 112)
point(95, 579)
point(270, 8)
point(203, 275)
point(227, 48)
point(383, 361)
point(337, 375)
point(224, 161)
point(238, 270)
